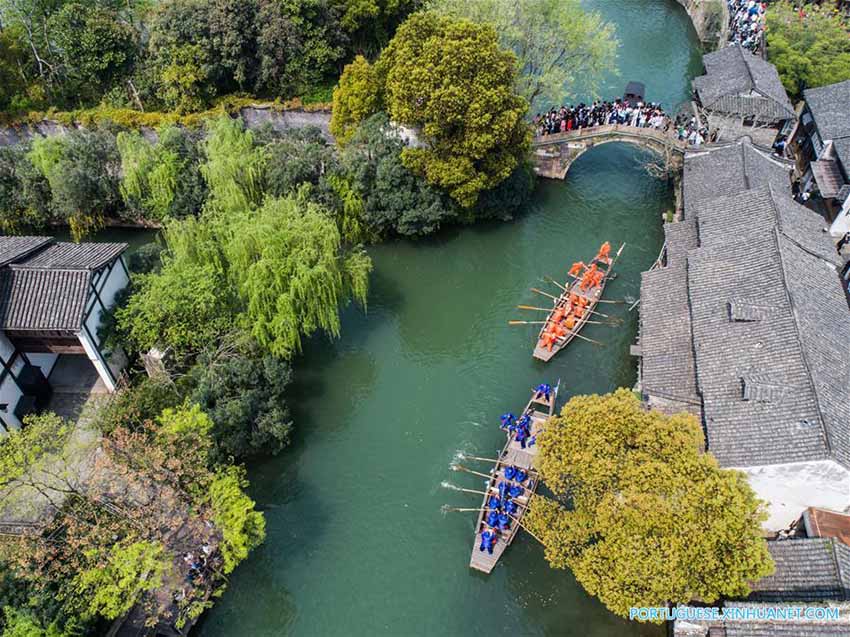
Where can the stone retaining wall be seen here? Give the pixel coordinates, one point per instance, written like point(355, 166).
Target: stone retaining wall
point(711, 21)
point(254, 117)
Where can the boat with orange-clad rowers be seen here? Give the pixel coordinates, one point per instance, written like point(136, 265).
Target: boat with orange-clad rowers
point(576, 306)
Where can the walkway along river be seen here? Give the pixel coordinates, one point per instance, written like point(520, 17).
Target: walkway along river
point(356, 541)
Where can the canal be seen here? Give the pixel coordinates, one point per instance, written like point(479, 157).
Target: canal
point(357, 544)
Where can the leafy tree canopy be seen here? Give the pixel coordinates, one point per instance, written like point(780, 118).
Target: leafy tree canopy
point(355, 98)
point(451, 81)
point(810, 46)
point(646, 517)
point(242, 528)
point(561, 47)
point(24, 191)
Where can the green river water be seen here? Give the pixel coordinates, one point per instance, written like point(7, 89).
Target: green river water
point(356, 542)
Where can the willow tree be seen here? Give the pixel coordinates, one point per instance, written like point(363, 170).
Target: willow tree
point(354, 99)
point(291, 271)
point(452, 81)
point(235, 169)
point(644, 517)
point(562, 48)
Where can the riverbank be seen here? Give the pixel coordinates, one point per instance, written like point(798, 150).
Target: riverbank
point(710, 19)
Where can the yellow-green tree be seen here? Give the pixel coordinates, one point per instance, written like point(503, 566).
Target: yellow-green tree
point(450, 80)
point(355, 99)
point(644, 515)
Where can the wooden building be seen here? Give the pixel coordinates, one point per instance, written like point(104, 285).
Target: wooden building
point(53, 298)
point(822, 142)
point(742, 95)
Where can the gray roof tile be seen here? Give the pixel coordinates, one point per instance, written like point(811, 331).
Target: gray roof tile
point(43, 299)
point(73, 256)
point(830, 107)
point(14, 247)
point(807, 569)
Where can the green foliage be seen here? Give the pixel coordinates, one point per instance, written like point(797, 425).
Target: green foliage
point(562, 49)
point(24, 192)
point(651, 517)
point(371, 23)
point(450, 80)
point(42, 435)
point(132, 406)
point(97, 48)
point(81, 168)
point(235, 166)
point(243, 390)
point(289, 270)
point(23, 623)
point(161, 181)
point(185, 306)
point(394, 200)
point(242, 528)
point(119, 575)
point(355, 99)
point(808, 51)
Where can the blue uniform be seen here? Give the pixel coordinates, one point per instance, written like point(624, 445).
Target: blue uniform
point(494, 502)
point(544, 389)
point(516, 491)
point(510, 472)
point(508, 420)
point(510, 507)
point(504, 521)
point(520, 475)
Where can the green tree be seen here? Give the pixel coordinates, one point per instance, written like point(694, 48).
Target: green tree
point(561, 47)
point(96, 47)
point(371, 23)
point(299, 44)
point(24, 191)
point(161, 181)
point(646, 516)
point(235, 170)
point(119, 575)
point(355, 98)
point(291, 272)
point(81, 168)
point(242, 528)
point(450, 80)
point(243, 390)
point(809, 45)
point(394, 199)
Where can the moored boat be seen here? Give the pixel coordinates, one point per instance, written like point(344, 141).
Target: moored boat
point(577, 303)
point(513, 481)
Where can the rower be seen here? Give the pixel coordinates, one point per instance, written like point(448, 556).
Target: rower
point(494, 502)
point(493, 518)
point(543, 388)
point(516, 491)
point(520, 475)
point(578, 266)
point(604, 253)
point(503, 489)
point(504, 521)
point(510, 472)
point(511, 507)
point(570, 323)
point(507, 420)
point(488, 540)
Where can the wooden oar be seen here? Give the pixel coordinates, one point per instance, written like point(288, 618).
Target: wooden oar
point(543, 309)
point(545, 294)
point(608, 323)
point(586, 338)
point(607, 301)
point(525, 528)
point(448, 509)
point(465, 457)
point(549, 279)
point(458, 467)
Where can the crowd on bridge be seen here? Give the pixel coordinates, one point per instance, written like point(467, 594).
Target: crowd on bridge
point(746, 23)
point(599, 113)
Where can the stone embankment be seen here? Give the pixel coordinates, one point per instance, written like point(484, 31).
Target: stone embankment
point(253, 116)
point(711, 21)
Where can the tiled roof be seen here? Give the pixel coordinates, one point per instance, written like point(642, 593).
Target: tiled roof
point(73, 256)
point(667, 361)
point(43, 299)
point(12, 247)
point(731, 73)
point(734, 167)
point(45, 285)
point(807, 569)
point(830, 107)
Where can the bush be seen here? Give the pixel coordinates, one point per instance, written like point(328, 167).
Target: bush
point(24, 191)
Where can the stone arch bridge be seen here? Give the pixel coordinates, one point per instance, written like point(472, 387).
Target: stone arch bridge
point(554, 154)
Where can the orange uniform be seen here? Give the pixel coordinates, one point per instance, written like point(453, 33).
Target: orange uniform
point(604, 252)
point(570, 323)
point(578, 266)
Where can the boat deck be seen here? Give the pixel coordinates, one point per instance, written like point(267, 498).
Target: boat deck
point(512, 454)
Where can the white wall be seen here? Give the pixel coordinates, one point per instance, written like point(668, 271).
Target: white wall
point(9, 392)
point(842, 221)
point(789, 488)
point(116, 282)
point(96, 359)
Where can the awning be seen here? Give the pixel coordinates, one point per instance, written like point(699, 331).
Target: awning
point(828, 177)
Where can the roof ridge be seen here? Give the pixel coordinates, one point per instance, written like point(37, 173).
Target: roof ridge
point(804, 358)
point(787, 236)
point(747, 66)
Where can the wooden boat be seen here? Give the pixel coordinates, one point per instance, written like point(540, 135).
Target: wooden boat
point(513, 454)
point(592, 294)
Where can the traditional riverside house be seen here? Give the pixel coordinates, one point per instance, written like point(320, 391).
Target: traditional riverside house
point(822, 139)
point(741, 94)
point(747, 326)
point(53, 297)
